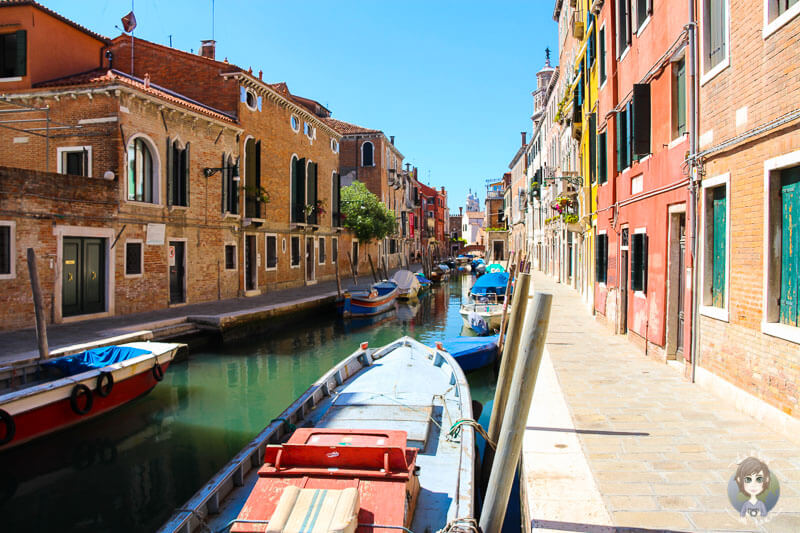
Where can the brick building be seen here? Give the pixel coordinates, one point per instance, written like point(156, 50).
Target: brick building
point(749, 207)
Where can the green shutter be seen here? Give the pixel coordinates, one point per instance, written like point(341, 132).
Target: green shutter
point(719, 247)
point(598, 261)
point(22, 53)
point(170, 174)
point(186, 174)
point(225, 177)
point(618, 120)
point(592, 148)
point(602, 159)
point(259, 212)
point(605, 258)
point(235, 189)
point(636, 264)
point(790, 246)
point(680, 97)
point(311, 193)
point(602, 55)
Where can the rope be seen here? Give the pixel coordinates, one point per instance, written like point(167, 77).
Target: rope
point(455, 431)
point(240, 521)
point(461, 524)
point(289, 425)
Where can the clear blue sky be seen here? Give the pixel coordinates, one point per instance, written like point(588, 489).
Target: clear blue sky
point(452, 80)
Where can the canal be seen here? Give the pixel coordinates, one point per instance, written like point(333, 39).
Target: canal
point(127, 471)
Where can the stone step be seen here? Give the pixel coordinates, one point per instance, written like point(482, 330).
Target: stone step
point(174, 330)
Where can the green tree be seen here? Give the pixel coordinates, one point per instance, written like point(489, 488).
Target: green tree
point(364, 213)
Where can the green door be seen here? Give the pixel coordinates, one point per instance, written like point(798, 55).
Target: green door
point(720, 254)
point(83, 276)
point(790, 246)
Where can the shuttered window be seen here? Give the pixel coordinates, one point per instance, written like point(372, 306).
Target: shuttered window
point(298, 186)
point(295, 251)
point(719, 245)
point(679, 98)
point(715, 25)
point(272, 251)
point(322, 250)
point(230, 185)
point(640, 103)
point(602, 46)
point(311, 195)
point(336, 201)
point(602, 158)
point(5, 249)
point(177, 173)
point(639, 262)
point(592, 147)
point(13, 54)
point(601, 258)
point(790, 246)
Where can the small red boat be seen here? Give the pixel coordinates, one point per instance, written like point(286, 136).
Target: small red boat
point(47, 396)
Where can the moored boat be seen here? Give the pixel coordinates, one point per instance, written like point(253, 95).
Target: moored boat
point(367, 301)
point(486, 301)
point(57, 393)
point(407, 284)
point(372, 448)
point(472, 353)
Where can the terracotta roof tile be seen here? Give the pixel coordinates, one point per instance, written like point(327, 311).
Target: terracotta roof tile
point(102, 76)
point(345, 128)
point(62, 18)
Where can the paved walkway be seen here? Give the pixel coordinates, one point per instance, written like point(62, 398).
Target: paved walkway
point(20, 345)
point(616, 441)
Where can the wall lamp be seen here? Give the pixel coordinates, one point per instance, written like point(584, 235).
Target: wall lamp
point(209, 171)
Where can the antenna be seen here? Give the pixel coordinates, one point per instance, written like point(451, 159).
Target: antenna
point(212, 19)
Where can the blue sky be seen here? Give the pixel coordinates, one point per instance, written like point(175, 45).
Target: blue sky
point(451, 80)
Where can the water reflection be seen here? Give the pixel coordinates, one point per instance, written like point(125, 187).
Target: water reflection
point(128, 470)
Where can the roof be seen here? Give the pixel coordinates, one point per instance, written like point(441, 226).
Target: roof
point(312, 105)
point(345, 128)
point(37, 5)
point(105, 77)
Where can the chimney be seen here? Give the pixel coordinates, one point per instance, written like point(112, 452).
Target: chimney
point(460, 211)
point(524, 137)
point(208, 48)
point(391, 139)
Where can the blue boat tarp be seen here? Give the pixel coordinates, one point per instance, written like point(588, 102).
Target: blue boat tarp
point(422, 279)
point(492, 283)
point(93, 359)
point(384, 287)
point(472, 352)
point(495, 267)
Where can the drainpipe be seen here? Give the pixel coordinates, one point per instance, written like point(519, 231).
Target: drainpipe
point(695, 180)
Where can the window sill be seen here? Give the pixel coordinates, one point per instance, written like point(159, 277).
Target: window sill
point(178, 207)
point(711, 74)
point(11, 79)
point(253, 292)
point(232, 216)
point(782, 331)
point(294, 266)
point(134, 276)
point(677, 141)
point(640, 294)
point(271, 269)
point(717, 313)
point(644, 25)
point(780, 21)
point(143, 204)
point(624, 53)
point(8, 276)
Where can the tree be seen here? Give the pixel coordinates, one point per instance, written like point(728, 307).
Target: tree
point(364, 213)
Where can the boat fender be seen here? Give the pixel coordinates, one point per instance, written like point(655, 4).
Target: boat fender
point(158, 372)
point(11, 427)
point(77, 391)
point(105, 389)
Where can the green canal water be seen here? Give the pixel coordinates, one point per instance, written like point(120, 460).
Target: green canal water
point(127, 471)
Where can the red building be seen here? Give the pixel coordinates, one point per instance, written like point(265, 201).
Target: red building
point(435, 217)
point(642, 255)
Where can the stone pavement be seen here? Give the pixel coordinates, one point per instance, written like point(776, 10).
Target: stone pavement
point(616, 441)
point(20, 345)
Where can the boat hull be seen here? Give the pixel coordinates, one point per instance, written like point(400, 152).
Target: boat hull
point(352, 306)
point(48, 408)
point(491, 314)
point(472, 353)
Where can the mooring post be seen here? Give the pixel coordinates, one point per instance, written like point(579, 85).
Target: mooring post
point(507, 364)
point(504, 320)
point(352, 269)
point(338, 281)
point(509, 445)
point(38, 305)
point(372, 267)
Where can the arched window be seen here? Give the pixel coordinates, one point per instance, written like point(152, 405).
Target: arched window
point(141, 178)
point(367, 155)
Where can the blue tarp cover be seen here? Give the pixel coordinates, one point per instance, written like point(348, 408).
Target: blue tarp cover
point(92, 359)
point(422, 279)
point(384, 287)
point(464, 345)
point(492, 283)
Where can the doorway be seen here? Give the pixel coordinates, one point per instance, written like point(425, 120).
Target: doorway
point(177, 272)
point(250, 263)
point(676, 286)
point(310, 267)
point(497, 250)
point(623, 292)
point(83, 284)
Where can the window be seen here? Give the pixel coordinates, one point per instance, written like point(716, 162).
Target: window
point(249, 98)
point(230, 257)
point(321, 250)
point(679, 98)
point(272, 252)
point(623, 26)
point(790, 245)
point(715, 242)
point(295, 252)
point(13, 54)
point(643, 10)
point(177, 174)
point(623, 139)
point(75, 160)
point(252, 179)
point(592, 147)
point(640, 120)
point(777, 13)
point(715, 36)
point(602, 158)
point(601, 258)
point(312, 217)
point(367, 155)
point(7, 250)
point(230, 185)
point(392, 246)
point(602, 55)
point(298, 189)
point(336, 200)
point(134, 259)
point(295, 122)
point(142, 183)
point(334, 146)
point(776, 8)
point(639, 262)
point(308, 129)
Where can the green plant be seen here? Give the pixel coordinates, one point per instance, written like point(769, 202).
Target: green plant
point(365, 215)
point(570, 218)
point(495, 229)
point(260, 194)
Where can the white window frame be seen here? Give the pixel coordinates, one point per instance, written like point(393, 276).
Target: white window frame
point(719, 313)
point(780, 21)
point(295, 118)
point(638, 294)
point(301, 254)
point(12, 249)
point(602, 30)
point(321, 246)
point(334, 146)
point(705, 77)
point(156, 155)
point(141, 259)
point(61, 150)
point(235, 256)
point(373, 153)
point(266, 252)
point(247, 92)
point(336, 240)
point(768, 327)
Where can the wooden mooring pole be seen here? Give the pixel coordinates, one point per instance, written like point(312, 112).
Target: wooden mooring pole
point(338, 281)
point(509, 444)
point(372, 267)
point(352, 269)
point(38, 304)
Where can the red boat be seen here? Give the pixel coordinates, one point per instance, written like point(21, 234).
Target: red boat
point(57, 393)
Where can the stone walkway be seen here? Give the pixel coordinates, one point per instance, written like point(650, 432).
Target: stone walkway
point(620, 442)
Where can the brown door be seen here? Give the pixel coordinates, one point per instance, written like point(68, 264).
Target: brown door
point(681, 282)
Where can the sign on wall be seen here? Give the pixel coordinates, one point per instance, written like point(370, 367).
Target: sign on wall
point(155, 234)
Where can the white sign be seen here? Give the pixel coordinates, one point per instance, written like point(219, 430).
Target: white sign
point(172, 256)
point(155, 234)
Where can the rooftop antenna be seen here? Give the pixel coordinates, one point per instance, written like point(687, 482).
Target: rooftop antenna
point(212, 20)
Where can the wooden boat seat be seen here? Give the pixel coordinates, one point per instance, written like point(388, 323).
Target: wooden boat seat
point(315, 511)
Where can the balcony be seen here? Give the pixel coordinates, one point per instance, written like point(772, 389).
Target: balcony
point(494, 195)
